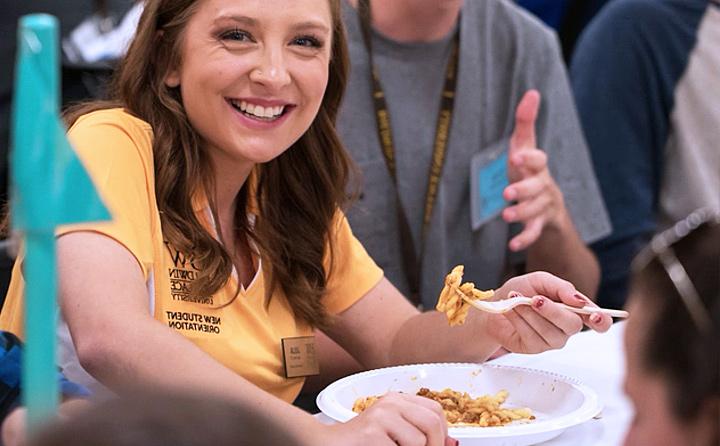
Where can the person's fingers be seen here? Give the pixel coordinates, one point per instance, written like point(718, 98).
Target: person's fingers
point(523, 135)
point(598, 322)
point(424, 420)
point(14, 427)
point(554, 288)
point(384, 422)
point(563, 319)
point(563, 291)
point(529, 162)
point(552, 335)
point(528, 236)
point(527, 340)
point(525, 189)
point(429, 425)
point(405, 434)
point(527, 210)
point(428, 404)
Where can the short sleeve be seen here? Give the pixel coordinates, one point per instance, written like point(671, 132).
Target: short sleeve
point(116, 151)
point(352, 272)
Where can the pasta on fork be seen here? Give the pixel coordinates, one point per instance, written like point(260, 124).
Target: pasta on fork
point(451, 303)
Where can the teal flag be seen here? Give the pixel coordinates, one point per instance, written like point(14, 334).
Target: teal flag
point(49, 187)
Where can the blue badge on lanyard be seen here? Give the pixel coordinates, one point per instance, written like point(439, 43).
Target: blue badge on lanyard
point(488, 181)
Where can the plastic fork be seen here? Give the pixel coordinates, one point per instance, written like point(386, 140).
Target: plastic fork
point(505, 305)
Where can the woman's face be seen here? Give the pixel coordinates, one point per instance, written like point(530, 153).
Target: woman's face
point(654, 422)
point(253, 74)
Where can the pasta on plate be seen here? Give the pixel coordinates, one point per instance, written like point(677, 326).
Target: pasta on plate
point(463, 410)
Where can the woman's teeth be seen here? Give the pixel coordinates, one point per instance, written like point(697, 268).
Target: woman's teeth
point(258, 111)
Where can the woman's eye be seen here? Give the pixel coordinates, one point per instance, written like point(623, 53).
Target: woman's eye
point(237, 35)
point(308, 41)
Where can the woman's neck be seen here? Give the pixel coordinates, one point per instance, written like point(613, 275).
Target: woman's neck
point(228, 182)
point(414, 20)
point(229, 178)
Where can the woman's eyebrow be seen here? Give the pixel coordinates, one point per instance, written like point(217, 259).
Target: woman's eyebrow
point(311, 25)
point(248, 21)
point(308, 25)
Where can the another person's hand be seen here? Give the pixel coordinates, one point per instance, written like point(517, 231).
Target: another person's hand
point(544, 325)
point(395, 419)
point(14, 427)
point(538, 200)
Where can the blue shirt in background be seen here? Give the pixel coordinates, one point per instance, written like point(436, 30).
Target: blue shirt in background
point(10, 374)
point(551, 12)
point(625, 74)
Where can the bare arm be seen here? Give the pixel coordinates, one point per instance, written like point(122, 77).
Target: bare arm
point(383, 329)
point(104, 301)
point(561, 251)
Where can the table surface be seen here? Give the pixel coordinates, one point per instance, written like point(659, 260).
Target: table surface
point(598, 360)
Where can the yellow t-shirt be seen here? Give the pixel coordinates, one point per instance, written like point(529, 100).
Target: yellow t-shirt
point(116, 149)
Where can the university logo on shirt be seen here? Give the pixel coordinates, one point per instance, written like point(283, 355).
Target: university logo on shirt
point(182, 274)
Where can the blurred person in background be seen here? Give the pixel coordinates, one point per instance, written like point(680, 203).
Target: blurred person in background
point(645, 77)
point(511, 112)
point(154, 418)
point(673, 361)
point(567, 17)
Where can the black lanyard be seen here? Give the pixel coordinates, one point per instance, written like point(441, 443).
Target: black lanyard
point(412, 262)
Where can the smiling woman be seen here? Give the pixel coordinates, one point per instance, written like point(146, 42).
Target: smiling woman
point(219, 161)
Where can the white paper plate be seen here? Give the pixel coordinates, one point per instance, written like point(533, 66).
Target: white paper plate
point(558, 402)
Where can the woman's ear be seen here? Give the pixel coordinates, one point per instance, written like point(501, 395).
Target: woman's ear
point(172, 78)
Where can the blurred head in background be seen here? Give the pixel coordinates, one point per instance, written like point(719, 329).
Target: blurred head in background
point(673, 361)
point(152, 418)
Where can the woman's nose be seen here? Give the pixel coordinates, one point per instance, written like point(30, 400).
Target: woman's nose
point(271, 70)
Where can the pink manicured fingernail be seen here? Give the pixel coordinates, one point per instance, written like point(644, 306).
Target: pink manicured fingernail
point(539, 302)
point(595, 318)
point(449, 441)
point(580, 298)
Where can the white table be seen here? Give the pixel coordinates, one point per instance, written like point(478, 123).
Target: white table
point(598, 360)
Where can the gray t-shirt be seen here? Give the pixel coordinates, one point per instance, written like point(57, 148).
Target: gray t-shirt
point(503, 53)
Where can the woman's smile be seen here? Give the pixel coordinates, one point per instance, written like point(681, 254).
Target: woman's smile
point(261, 113)
point(253, 74)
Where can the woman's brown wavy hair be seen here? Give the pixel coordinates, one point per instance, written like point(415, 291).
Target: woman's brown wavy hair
point(297, 193)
